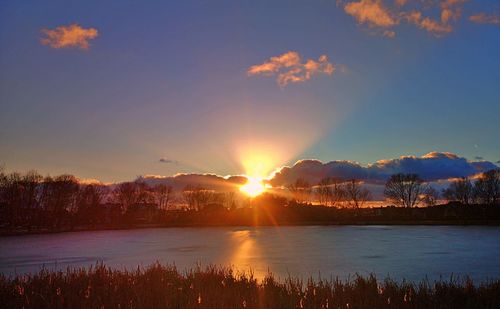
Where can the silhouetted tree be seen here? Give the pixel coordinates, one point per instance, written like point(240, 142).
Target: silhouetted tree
point(330, 191)
point(301, 190)
point(125, 194)
point(230, 200)
point(431, 196)
point(460, 190)
point(163, 195)
point(59, 196)
point(145, 194)
point(487, 187)
point(90, 198)
point(19, 195)
point(355, 194)
point(405, 190)
point(197, 197)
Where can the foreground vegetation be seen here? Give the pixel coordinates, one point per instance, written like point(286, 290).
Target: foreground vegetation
point(161, 286)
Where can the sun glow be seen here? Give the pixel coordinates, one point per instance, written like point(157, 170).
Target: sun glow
point(253, 187)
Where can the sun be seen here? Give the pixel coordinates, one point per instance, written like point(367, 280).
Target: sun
point(253, 187)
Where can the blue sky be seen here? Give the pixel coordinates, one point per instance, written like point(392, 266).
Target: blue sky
point(167, 79)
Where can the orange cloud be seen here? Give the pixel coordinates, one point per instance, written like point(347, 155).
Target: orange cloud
point(371, 12)
point(289, 68)
point(483, 18)
point(387, 14)
point(390, 34)
point(435, 27)
point(400, 2)
point(69, 36)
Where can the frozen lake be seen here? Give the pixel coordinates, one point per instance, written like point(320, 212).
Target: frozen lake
point(411, 252)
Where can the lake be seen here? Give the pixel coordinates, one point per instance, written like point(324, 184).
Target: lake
point(411, 252)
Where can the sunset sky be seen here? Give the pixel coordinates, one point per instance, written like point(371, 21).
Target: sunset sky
point(115, 89)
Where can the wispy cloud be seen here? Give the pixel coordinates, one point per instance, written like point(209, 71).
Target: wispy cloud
point(289, 68)
point(389, 33)
point(168, 161)
point(483, 18)
point(72, 36)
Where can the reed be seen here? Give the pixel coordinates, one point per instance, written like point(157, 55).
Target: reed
point(164, 286)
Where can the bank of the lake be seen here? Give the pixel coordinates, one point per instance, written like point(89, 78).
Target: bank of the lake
point(272, 215)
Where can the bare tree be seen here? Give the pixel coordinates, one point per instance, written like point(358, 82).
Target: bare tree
point(19, 195)
point(355, 194)
point(460, 190)
point(163, 195)
point(330, 191)
point(487, 187)
point(230, 200)
point(90, 198)
point(405, 190)
point(145, 194)
point(59, 195)
point(197, 197)
point(125, 194)
point(431, 196)
point(301, 190)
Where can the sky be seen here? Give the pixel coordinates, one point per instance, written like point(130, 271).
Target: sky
point(116, 89)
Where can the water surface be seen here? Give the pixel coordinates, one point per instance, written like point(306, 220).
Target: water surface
point(411, 252)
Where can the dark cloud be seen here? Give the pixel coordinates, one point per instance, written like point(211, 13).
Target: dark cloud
point(207, 181)
point(168, 161)
point(478, 158)
point(431, 167)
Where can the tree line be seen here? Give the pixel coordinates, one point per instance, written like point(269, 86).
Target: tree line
point(33, 200)
point(403, 190)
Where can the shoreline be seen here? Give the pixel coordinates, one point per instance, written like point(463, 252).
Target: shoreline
point(23, 232)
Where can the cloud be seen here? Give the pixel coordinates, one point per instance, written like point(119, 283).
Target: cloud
point(168, 161)
point(483, 18)
point(289, 68)
point(72, 36)
point(206, 181)
point(436, 17)
point(478, 158)
point(390, 34)
point(431, 167)
point(89, 181)
point(370, 12)
point(400, 2)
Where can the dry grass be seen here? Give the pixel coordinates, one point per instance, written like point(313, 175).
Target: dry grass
point(159, 286)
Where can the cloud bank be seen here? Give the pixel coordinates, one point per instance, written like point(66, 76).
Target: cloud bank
point(430, 167)
point(206, 181)
point(72, 36)
point(436, 167)
point(289, 68)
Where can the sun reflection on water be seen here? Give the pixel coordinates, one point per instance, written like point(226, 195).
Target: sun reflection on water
point(247, 255)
